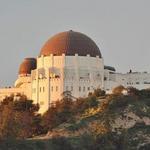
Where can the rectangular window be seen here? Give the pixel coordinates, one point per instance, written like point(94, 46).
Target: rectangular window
point(84, 89)
point(52, 88)
point(146, 82)
point(56, 88)
point(43, 89)
point(79, 88)
point(71, 88)
point(40, 89)
point(88, 88)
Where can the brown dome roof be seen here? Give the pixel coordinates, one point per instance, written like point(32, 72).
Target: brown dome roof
point(27, 66)
point(70, 43)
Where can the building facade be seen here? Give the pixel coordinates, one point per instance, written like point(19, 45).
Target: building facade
point(69, 61)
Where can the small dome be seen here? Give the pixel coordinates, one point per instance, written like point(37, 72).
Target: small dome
point(27, 66)
point(110, 68)
point(70, 43)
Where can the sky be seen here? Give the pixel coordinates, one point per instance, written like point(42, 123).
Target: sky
point(121, 29)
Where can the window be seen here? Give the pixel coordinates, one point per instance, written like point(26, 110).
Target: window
point(71, 88)
point(84, 89)
point(56, 88)
point(88, 88)
point(79, 88)
point(105, 78)
point(43, 89)
point(40, 89)
point(146, 82)
point(52, 88)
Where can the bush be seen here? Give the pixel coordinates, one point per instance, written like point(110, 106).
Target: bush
point(99, 92)
point(60, 112)
point(119, 101)
point(118, 90)
point(133, 91)
point(145, 93)
point(91, 101)
point(17, 118)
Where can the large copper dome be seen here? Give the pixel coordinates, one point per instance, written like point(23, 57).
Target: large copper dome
point(70, 43)
point(27, 66)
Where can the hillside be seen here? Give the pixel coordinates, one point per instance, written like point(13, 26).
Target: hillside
point(117, 122)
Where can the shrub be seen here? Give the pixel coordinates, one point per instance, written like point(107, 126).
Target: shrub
point(58, 113)
point(17, 118)
point(118, 90)
point(91, 101)
point(145, 93)
point(133, 91)
point(99, 92)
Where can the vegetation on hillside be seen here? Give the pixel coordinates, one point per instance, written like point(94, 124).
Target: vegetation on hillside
point(98, 122)
point(18, 118)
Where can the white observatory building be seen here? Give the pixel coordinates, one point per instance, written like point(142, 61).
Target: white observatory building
point(69, 61)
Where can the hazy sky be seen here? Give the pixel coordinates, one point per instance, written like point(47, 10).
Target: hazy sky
point(121, 29)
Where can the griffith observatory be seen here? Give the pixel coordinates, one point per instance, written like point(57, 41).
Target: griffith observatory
point(69, 61)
